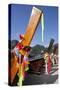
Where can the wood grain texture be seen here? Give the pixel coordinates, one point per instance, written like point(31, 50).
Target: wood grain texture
point(30, 30)
point(31, 27)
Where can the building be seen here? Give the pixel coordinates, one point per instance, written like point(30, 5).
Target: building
point(37, 64)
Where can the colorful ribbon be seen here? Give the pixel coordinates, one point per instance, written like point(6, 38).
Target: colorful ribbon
point(42, 21)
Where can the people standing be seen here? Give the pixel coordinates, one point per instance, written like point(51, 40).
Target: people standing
point(47, 63)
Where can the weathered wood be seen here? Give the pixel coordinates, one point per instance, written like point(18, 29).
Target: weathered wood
point(14, 69)
point(30, 30)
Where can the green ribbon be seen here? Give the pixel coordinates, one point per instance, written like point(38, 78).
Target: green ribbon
point(42, 21)
point(20, 77)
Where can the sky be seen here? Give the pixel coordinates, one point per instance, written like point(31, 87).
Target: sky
point(20, 15)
